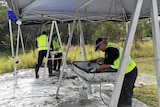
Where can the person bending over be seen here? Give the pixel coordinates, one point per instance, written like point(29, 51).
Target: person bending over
point(113, 54)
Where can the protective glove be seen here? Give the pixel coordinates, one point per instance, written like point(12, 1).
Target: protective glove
point(93, 70)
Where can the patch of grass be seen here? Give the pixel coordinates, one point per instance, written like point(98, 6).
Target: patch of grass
point(27, 61)
point(147, 94)
point(6, 65)
point(75, 54)
point(146, 65)
point(142, 49)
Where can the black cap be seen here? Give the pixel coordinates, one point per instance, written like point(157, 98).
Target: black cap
point(44, 32)
point(54, 35)
point(99, 41)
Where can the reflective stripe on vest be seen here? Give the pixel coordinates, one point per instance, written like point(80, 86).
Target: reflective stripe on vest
point(56, 46)
point(42, 41)
point(130, 65)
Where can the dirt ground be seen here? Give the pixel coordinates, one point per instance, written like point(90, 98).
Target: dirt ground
point(31, 92)
point(145, 79)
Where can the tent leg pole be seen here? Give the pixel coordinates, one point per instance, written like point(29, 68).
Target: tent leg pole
point(156, 38)
point(16, 61)
point(50, 39)
point(59, 38)
point(69, 32)
point(82, 37)
point(23, 47)
point(17, 48)
point(13, 57)
point(125, 55)
point(65, 58)
point(11, 40)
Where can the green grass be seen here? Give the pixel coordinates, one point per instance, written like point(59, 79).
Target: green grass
point(76, 55)
point(24, 61)
point(146, 65)
point(6, 65)
point(147, 94)
point(142, 49)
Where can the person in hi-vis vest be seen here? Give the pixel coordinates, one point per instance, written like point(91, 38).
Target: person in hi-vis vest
point(58, 56)
point(42, 44)
point(113, 55)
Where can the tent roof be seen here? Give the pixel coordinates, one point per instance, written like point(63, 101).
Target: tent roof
point(90, 10)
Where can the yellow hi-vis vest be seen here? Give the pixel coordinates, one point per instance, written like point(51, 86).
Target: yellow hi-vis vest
point(130, 65)
point(56, 46)
point(42, 41)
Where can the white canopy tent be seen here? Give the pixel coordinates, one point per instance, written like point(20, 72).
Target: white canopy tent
point(95, 10)
point(90, 10)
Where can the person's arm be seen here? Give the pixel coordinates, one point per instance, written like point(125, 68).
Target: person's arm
point(103, 66)
point(111, 54)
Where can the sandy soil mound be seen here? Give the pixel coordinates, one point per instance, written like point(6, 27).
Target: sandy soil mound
point(31, 92)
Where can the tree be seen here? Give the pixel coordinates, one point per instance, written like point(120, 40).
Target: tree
point(112, 30)
point(3, 22)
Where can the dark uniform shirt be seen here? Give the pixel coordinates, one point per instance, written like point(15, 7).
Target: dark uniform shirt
point(111, 54)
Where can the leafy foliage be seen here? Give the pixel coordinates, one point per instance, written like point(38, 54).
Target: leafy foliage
point(112, 30)
point(3, 24)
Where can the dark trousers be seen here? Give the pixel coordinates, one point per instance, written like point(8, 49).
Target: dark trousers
point(57, 61)
point(41, 55)
point(127, 87)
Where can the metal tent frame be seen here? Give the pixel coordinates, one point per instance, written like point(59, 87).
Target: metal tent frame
point(54, 23)
point(15, 58)
point(141, 5)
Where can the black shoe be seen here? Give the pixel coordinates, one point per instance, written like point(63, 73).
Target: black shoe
point(36, 72)
point(56, 70)
point(37, 76)
point(50, 75)
point(56, 74)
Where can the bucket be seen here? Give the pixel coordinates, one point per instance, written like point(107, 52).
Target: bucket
point(83, 93)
